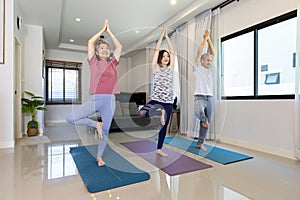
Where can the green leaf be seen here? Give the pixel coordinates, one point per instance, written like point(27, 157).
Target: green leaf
point(29, 93)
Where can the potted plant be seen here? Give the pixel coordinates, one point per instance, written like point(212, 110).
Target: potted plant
point(30, 105)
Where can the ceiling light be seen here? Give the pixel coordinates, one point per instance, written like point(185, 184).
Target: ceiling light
point(77, 19)
point(137, 31)
point(71, 40)
point(173, 2)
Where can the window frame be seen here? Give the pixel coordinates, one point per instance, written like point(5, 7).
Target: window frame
point(255, 29)
point(63, 65)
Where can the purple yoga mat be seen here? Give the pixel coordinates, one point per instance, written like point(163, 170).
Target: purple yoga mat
point(174, 164)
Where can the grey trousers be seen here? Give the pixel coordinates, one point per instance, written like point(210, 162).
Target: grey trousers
point(203, 109)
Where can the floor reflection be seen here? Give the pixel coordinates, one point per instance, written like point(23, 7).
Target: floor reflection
point(33, 161)
point(60, 161)
point(229, 194)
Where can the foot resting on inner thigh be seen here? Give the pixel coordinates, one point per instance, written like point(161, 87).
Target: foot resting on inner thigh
point(99, 130)
point(205, 124)
point(162, 117)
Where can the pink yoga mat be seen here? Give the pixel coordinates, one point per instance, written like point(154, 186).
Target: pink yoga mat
point(174, 164)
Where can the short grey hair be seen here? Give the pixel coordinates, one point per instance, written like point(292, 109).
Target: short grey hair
point(98, 42)
point(205, 55)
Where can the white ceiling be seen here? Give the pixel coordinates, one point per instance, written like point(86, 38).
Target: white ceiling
point(125, 17)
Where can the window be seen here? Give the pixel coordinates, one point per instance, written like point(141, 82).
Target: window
point(259, 62)
point(238, 67)
point(277, 53)
point(63, 82)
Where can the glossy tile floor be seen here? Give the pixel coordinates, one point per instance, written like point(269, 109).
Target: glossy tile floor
point(47, 172)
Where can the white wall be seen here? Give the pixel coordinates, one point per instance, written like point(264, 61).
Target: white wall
point(33, 62)
point(7, 81)
point(122, 69)
point(297, 103)
point(133, 72)
point(245, 13)
point(19, 34)
point(139, 73)
point(263, 125)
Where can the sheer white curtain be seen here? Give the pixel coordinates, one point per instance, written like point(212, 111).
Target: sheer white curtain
point(297, 93)
point(219, 109)
point(202, 22)
point(181, 48)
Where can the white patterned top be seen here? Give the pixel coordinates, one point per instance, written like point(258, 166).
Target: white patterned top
point(163, 85)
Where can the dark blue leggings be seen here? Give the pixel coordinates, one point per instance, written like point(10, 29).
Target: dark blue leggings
point(153, 108)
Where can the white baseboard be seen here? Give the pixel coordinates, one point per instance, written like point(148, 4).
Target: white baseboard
point(297, 154)
point(190, 133)
point(8, 144)
point(20, 135)
point(262, 148)
point(55, 122)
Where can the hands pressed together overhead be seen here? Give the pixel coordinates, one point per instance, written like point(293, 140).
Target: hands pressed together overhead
point(105, 27)
point(206, 34)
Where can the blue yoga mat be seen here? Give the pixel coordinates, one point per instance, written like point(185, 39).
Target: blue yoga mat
point(116, 172)
point(216, 154)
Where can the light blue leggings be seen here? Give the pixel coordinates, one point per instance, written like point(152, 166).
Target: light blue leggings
point(102, 103)
point(203, 109)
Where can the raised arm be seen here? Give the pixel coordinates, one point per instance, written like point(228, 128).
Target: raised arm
point(211, 48)
point(171, 50)
point(201, 47)
point(117, 44)
point(94, 38)
point(156, 50)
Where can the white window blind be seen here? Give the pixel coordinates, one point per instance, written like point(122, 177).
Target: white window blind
point(63, 82)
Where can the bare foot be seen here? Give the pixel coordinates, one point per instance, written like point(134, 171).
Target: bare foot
point(100, 162)
point(142, 113)
point(205, 124)
point(99, 130)
point(162, 117)
point(161, 153)
point(202, 147)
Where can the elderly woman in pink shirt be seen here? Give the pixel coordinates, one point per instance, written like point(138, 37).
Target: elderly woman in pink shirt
point(103, 87)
